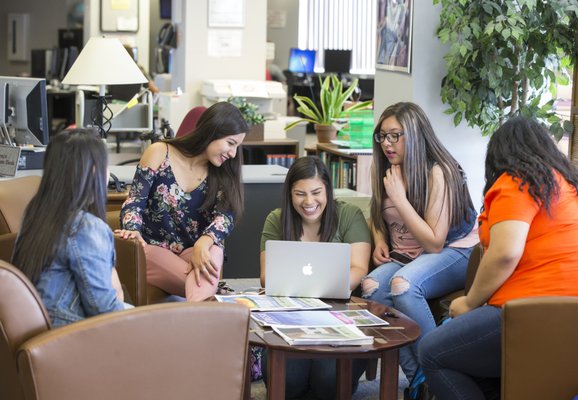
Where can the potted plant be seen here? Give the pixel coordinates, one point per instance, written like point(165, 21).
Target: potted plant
point(506, 58)
point(251, 115)
point(332, 98)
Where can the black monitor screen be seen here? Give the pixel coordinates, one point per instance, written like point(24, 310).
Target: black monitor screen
point(165, 9)
point(301, 61)
point(70, 38)
point(338, 61)
point(25, 109)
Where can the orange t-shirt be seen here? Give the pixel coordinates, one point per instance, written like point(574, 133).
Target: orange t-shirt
point(549, 264)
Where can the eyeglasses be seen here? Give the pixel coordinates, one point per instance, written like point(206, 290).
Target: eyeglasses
point(392, 137)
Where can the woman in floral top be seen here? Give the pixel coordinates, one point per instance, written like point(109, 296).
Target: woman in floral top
point(184, 198)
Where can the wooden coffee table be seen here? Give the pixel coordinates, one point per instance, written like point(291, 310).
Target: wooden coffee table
point(388, 340)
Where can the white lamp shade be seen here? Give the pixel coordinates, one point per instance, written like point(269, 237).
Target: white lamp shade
point(104, 61)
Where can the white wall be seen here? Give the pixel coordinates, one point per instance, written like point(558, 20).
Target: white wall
point(192, 63)
point(288, 36)
point(46, 17)
point(139, 39)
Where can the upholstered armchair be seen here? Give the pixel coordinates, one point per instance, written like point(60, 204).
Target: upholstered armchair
point(539, 348)
point(149, 352)
point(15, 194)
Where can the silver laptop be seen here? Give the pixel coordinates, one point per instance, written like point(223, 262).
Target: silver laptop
point(307, 269)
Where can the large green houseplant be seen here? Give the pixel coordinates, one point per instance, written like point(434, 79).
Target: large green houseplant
point(332, 97)
point(504, 58)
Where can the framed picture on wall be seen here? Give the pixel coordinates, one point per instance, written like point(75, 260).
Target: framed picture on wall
point(119, 15)
point(394, 34)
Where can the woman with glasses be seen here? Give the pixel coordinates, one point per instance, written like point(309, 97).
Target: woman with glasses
point(422, 220)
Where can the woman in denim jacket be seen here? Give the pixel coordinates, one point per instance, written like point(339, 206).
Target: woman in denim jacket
point(422, 219)
point(65, 246)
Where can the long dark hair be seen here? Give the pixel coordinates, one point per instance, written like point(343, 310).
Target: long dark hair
point(524, 149)
point(307, 168)
point(423, 150)
point(224, 183)
point(74, 179)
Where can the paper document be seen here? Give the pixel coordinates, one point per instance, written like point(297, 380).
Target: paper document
point(344, 335)
point(269, 303)
point(318, 318)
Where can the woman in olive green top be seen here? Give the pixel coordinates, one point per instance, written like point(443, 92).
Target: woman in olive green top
point(309, 213)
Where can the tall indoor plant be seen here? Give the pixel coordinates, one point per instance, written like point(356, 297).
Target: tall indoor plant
point(332, 98)
point(504, 58)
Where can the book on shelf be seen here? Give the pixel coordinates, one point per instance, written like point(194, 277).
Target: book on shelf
point(274, 303)
point(341, 335)
point(318, 318)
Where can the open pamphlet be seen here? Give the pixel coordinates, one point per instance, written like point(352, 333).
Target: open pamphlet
point(274, 303)
point(342, 335)
point(318, 318)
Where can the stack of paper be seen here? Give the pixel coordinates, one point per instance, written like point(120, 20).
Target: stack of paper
point(269, 303)
point(344, 335)
point(318, 318)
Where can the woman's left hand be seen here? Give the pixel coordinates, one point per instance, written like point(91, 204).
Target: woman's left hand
point(394, 184)
point(201, 263)
point(459, 306)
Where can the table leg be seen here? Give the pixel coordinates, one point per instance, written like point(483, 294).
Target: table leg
point(275, 374)
point(343, 390)
point(388, 384)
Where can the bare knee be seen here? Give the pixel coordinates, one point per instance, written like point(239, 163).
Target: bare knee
point(369, 286)
point(399, 286)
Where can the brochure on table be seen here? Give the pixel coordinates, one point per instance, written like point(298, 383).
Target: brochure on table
point(343, 335)
point(318, 318)
point(274, 303)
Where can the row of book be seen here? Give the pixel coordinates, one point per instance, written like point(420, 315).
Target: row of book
point(343, 171)
point(285, 160)
point(308, 321)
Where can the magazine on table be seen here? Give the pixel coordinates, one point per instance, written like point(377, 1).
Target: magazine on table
point(341, 335)
point(318, 318)
point(270, 303)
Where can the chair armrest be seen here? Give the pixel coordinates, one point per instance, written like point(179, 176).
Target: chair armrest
point(152, 352)
point(7, 242)
point(539, 348)
point(132, 270)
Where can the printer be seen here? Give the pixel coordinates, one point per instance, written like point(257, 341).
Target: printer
point(270, 96)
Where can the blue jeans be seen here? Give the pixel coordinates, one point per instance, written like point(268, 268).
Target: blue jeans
point(315, 376)
point(429, 276)
point(462, 358)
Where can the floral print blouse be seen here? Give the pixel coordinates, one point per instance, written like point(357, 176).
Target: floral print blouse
point(166, 215)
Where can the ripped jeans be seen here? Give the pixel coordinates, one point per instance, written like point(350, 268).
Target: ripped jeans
point(429, 276)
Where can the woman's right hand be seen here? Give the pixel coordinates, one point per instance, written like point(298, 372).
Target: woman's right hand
point(126, 234)
point(381, 254)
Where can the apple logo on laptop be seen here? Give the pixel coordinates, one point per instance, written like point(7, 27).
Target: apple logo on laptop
point(307, 269)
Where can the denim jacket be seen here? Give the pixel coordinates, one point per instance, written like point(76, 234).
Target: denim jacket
point(78, 282)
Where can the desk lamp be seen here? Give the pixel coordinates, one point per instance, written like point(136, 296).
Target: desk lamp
point(103, 61)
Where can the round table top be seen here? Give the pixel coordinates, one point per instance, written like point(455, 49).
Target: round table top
point(401, 331)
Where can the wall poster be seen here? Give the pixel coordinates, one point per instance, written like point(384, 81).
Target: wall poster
point(394, 34)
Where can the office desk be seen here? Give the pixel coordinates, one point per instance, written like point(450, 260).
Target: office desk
point(388, 340)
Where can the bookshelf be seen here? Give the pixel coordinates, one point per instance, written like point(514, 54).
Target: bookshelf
point(349, 168)
point(273, 151)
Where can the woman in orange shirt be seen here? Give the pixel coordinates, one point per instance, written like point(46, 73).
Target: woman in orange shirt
point(529, 230)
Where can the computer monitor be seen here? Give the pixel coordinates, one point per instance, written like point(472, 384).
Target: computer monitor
point(165, 9)
point(337, 61)
point(24, 110)
point(301, 61)
point(70, 38)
